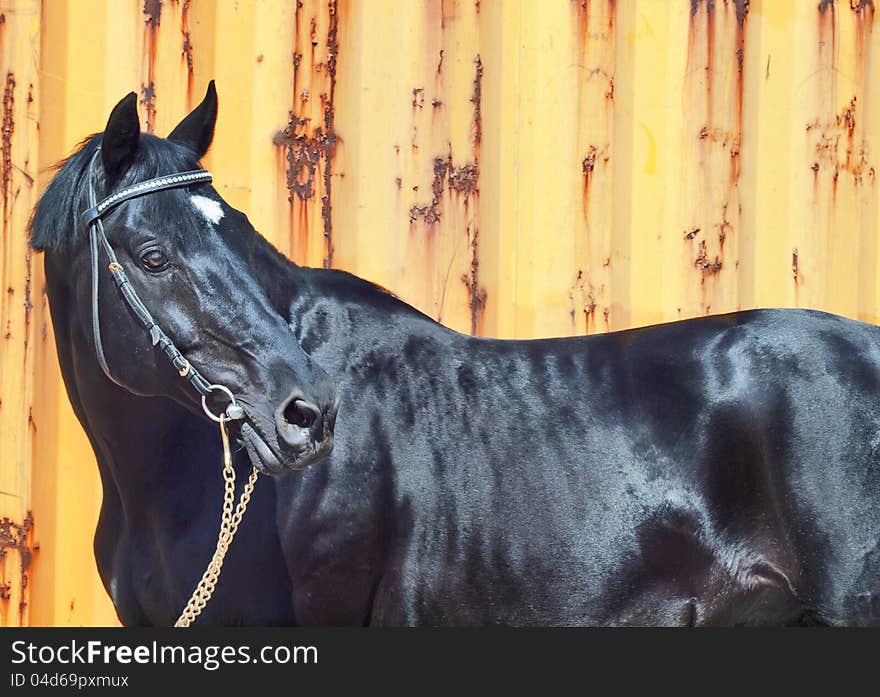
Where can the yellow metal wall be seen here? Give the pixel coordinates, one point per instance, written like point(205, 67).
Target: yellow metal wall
point(515, 168)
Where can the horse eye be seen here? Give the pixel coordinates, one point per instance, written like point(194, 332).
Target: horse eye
point(154, 260)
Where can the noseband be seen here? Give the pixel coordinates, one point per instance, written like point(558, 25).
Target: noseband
point(92, 217)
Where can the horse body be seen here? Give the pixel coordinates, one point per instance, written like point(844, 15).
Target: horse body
point(721, 470)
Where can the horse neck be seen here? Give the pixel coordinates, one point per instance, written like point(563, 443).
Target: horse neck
point(128, 433)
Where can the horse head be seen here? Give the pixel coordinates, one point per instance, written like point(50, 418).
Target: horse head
point(172, 279)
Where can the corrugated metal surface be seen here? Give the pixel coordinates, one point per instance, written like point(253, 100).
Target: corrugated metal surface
point(515, 168)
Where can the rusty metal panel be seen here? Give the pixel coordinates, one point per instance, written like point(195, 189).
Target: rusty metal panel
point(19, 293)
point(514, 168)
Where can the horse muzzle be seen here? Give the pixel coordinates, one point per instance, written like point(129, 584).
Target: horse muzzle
point(303, 436)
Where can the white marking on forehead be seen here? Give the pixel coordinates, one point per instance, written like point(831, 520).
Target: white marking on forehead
point(209, 208)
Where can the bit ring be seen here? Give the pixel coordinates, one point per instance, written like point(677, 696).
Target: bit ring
point(233, 410)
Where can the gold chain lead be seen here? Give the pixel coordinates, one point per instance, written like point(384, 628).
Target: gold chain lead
point(229, 522)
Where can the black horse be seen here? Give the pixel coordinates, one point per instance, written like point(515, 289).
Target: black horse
point(722, 470)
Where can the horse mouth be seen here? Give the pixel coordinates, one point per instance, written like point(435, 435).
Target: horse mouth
point(260, 453)
point(267, 462)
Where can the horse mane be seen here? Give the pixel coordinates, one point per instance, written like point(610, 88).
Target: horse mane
point(55, 223)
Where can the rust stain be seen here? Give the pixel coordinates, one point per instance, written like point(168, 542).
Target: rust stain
point(476, 100)
point(466, 181)
point(583, 8)
point(418, 98)
point(863, 11)
point(476, 293)
point(583, 23)
point(6, 167)
point(589, 161)
point(152, 17)
point(741, 7)
point(721, 131)
point(708, 268)
point(304, 153)
point(329, 116)
point(28, 301)
point(827, 25)
point(17, 537)
point(463, 180)
point(595, 154)
point(309, 149)
point(187, 49)
point(582, 300)
point(724, 228)
point(836, 146)
point(838, 141)
point(431, 212)
point(6, 131)
point(595, 55)
point(459, 180)
point(794, 265)
point(153, 13)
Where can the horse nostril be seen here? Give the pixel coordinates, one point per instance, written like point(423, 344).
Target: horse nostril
point(301, 423)
point(300, 413)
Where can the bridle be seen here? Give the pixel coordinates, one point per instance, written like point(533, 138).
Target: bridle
point(231, 515)
point(92, 217)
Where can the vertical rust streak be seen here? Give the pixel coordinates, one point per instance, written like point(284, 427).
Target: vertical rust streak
point(742, 12)
point(466, 180)
point(710, 49)
point(330, 133)
point(476, 100)
point(28, 303)
point(6, 131)
point(8, 127)
point(297, 51)
point(461, 181)
point(309, 152)
point(187, 50)
point(152, 17)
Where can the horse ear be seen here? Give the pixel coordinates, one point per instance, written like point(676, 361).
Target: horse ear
point(121, 136)
point(196, 131)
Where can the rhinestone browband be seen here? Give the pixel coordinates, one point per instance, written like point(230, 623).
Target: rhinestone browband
point(173, 181)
